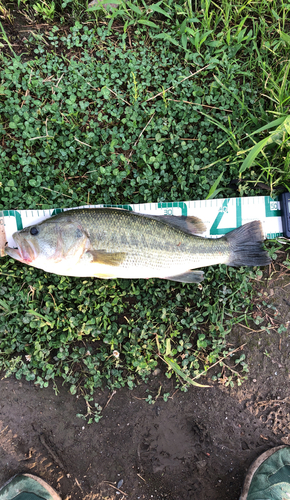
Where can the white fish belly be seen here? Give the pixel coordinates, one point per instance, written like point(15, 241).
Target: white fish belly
point(134, 266)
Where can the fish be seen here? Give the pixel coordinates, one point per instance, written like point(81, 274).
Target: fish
point(113, 243)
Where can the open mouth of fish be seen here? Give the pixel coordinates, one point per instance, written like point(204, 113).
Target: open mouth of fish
point(24, 252)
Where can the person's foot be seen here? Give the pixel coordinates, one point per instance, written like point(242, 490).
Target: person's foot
point(27, 487)
point(268, 478)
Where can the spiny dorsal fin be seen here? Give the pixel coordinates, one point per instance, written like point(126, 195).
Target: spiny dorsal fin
point(187, 224)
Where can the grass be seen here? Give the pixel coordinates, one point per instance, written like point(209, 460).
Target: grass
point(161, 102)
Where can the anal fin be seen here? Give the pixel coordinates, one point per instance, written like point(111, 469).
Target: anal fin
point(105, 276)
point(188, 277)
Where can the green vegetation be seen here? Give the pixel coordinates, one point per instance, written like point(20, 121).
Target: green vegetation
point(161, 102)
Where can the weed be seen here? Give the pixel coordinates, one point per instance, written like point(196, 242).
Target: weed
point(45, 10)
point(5, 12)
point(93, 413)
point(5, 39)
point(141, 114)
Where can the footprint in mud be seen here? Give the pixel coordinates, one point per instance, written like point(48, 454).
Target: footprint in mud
point(164, 445)
point(21, 457)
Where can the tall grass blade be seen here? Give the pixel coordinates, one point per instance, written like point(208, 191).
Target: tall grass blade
point(176, 368)
point(213, 190)
point(274, 123)
point(285, 37)
point(275, 136)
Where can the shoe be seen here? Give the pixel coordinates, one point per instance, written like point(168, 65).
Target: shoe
point(27, 487)
point(269, 476)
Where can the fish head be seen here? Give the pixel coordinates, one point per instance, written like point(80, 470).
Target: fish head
point(49, 243)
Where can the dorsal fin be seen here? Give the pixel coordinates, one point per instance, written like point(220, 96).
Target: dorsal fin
point(187, 224)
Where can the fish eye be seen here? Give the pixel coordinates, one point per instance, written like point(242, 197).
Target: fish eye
point(34, 231)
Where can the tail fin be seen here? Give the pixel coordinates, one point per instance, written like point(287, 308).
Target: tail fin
point(246, 245)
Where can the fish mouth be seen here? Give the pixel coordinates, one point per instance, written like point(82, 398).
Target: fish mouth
point(24, 253)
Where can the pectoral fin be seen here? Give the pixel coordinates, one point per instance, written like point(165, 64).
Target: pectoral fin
point(188, 277)
point(108, 258)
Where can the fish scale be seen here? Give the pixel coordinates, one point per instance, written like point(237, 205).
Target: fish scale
point(150, 243)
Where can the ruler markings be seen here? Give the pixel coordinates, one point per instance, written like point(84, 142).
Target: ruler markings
point(231, 213)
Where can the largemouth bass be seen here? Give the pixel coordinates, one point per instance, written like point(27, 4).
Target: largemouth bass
point(115, 243)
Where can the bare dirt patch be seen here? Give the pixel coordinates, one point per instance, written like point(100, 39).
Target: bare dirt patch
point(197, 445)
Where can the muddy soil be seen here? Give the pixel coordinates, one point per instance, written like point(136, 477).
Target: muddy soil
point(196, 446)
